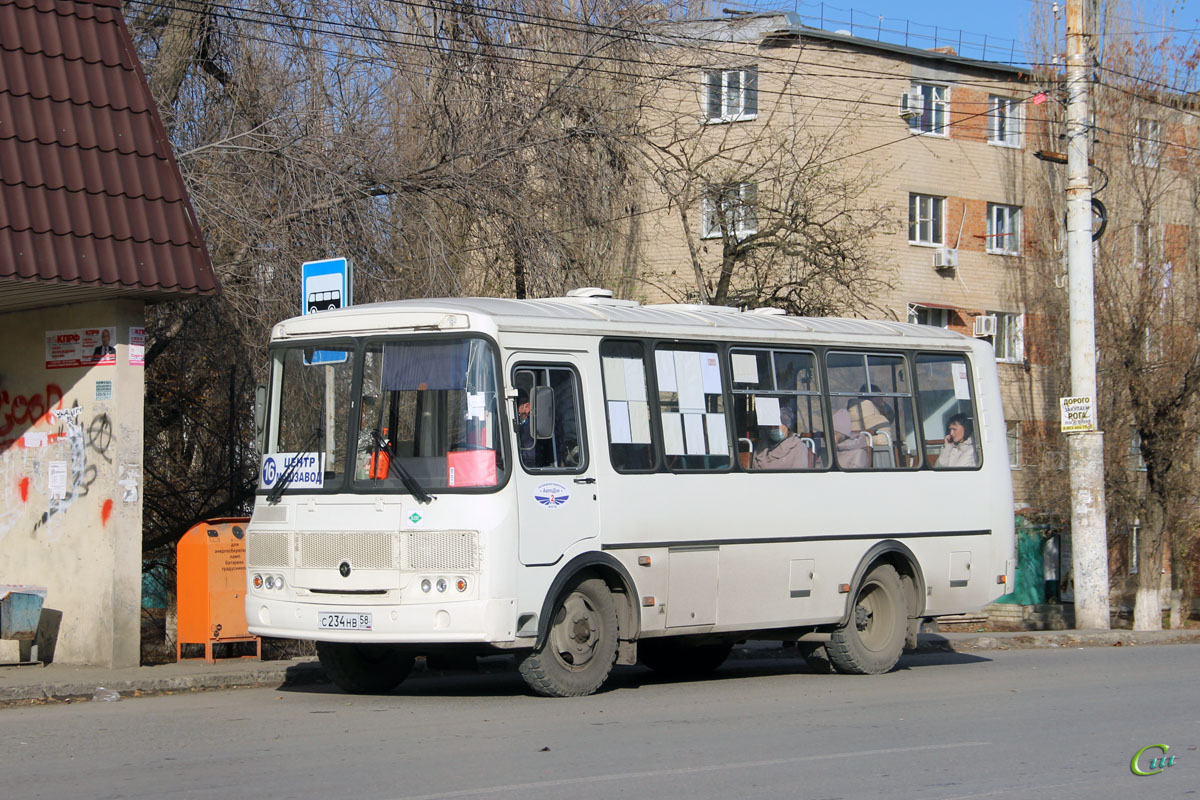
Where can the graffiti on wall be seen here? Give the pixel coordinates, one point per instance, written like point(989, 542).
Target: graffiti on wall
point(45, 472)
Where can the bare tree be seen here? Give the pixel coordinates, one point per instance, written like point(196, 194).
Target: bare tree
point(772, 214)
point(1147, 300)
point(445, 148)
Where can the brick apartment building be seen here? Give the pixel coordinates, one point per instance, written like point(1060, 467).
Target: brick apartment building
point(940, 138)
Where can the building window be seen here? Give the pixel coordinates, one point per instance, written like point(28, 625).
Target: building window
point(1014, 445)
point(924, 315)
point(730, 210)
point(925, 219)
point(932, 118)
point(1133, 547)
point(731, 94)
point(1135, 452)
point(1004, 229)
point(1004, 122)
point(1143, 244)
point(1009, 342)
point(1147, 142)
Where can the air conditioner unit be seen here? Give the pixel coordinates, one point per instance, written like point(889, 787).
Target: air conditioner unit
point(945, 258)
point(985, 325)
point(912, 104)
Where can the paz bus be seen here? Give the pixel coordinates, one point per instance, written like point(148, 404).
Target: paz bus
point(585, 481)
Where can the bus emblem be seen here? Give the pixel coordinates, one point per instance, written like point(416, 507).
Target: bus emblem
point(552, 495)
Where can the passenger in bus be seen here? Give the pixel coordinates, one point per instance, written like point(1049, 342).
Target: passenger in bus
point(853, 446)
point(779, 447)
point(959, 449)
point(866, 416)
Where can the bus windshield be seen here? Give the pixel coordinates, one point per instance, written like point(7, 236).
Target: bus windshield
point(308, 448)
point(429, 410)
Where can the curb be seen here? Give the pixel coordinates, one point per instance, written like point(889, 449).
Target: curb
point(172, 678)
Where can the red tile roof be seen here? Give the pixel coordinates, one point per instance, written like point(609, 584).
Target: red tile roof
point(90, 194)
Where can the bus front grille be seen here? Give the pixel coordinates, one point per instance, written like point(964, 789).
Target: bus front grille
point(361, 550)
point(441, 551)
point(267, 549)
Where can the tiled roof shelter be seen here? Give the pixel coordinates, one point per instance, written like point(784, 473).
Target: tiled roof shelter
point(92, 204)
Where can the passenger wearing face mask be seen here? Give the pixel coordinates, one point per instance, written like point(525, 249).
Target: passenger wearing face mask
point(779, 447)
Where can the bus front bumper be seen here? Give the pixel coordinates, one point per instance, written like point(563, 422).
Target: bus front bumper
point(485, 621)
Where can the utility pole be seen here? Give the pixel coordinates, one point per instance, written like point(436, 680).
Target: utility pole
point(1085, 448)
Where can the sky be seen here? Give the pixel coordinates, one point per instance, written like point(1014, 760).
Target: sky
point(995, 25)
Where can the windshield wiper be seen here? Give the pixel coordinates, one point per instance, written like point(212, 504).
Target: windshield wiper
point(286, 478)
point(414, 487)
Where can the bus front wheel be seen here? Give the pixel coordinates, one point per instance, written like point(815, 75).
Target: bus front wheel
point(364, 668)
point(870, 643)
point(581, 645)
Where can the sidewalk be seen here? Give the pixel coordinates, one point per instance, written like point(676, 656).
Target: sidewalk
point(56, 682)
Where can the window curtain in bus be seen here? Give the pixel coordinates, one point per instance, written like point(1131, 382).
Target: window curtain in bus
point(425, 365)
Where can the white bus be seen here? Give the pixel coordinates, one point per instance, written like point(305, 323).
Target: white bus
point(586, 482)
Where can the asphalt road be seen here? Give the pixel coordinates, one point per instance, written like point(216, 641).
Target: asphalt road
point(1006, 724)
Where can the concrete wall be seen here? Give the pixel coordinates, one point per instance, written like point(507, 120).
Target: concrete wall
point(68, 427)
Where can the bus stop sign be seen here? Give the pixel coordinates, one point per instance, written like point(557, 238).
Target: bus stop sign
point(326, 285)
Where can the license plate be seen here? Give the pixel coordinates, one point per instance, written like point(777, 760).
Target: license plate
point(341, 621)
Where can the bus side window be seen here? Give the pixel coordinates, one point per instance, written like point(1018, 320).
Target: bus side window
point(627, 406)
point(562, 450)
point(947, 411)
point(691, 404)
point(872, 405)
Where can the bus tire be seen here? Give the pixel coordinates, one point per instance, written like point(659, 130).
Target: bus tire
point(680, 660)
point(364, 668)
point(871, 642)
point(816, 655)
point(581, 646)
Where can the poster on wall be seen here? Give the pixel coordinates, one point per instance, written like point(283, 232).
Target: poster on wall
point(137, 347)
point(81, 347)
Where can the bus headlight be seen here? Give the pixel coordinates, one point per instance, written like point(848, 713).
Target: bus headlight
point(269, 582)
point(279, 583)
point(441, 584)
point(426, 586)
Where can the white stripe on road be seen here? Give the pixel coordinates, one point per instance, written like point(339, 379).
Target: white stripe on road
point(659, 773)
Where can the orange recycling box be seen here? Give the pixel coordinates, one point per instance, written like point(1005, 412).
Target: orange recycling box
point(210, 585)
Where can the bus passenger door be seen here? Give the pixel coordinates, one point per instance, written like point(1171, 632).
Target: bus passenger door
point(554, 470)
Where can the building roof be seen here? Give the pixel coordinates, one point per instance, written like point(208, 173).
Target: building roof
point(780, 26)
point(92, 203)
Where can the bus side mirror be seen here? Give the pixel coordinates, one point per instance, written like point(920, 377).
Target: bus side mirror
point(260, 415)
point(541, 412)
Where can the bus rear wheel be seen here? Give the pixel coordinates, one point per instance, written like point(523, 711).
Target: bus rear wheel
point(364, 668)
point(581, 645)
point(871, 642)
point(683, 660)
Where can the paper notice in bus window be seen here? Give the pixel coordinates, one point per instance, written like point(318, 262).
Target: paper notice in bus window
point(718, 441)
point(614, 378)
point(475, 405)
point(710, 369)
point(672, 433)
point(635, 380)
point(639, 423)
point(767, 410)
point(693, 433)
point(471, 468)
point(745, 368)
point(691, 385)
point(664, 362)
point(618, 422)
point(962, 389)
